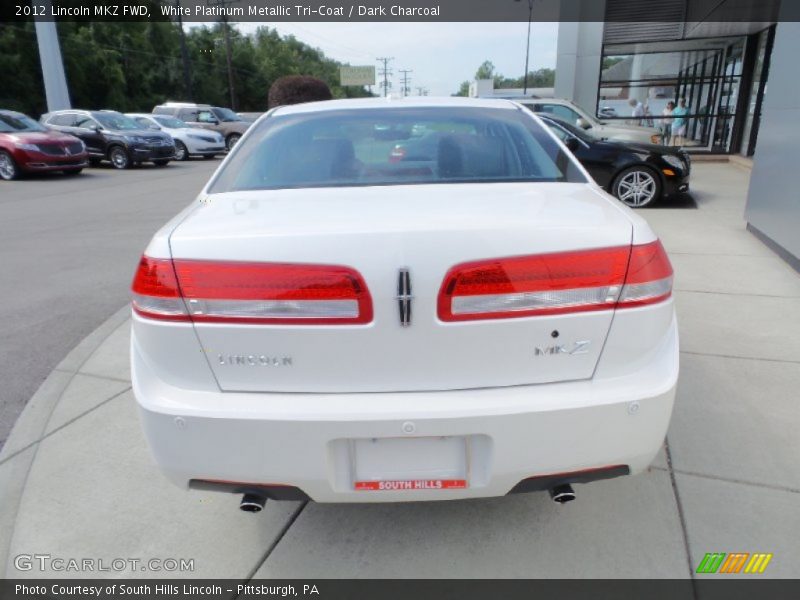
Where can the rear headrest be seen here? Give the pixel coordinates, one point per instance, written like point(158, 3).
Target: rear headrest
point(466, 155)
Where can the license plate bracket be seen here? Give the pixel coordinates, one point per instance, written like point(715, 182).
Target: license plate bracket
point(422, 463)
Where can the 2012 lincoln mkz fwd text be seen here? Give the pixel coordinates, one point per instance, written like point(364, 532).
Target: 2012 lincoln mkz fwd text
point(338, 321)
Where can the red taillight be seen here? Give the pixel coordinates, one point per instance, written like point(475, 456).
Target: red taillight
point(559, 283)
point(240, 292)
point(649, 278)
point(155, 291)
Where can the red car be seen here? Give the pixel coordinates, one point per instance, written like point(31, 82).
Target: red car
point(27, 146)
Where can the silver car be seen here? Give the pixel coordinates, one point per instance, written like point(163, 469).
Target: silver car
point(189, 141)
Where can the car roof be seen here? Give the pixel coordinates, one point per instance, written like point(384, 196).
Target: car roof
point(408, 102)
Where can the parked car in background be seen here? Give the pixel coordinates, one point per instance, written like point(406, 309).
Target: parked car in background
point(499, 325)
point(189, 141)
point(27, 147)
point(637, 174)
point(572, 113)
point(250, 117)
point(216, 118)
point(607, 111)
point(110, 135)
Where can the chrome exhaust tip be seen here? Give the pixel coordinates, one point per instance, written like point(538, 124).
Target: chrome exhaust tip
point(562, 493)
point(252, 503)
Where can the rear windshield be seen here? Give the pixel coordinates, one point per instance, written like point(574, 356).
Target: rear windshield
point(395, 146)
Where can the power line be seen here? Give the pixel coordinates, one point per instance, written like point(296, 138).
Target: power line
point(385, 73)
point(405, 81)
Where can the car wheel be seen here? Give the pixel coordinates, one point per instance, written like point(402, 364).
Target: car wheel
point(73, 171)
point(8, 168)
point(119, 158)
point(231, 141)
point(181, 153)
point(637, 187)
point(161, 163)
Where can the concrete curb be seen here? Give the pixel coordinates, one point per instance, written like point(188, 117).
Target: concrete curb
point(29, 429)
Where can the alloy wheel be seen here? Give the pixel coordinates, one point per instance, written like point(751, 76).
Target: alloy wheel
point(637, 188)
point(119, 158)
point(8, 170)
point(181, 153)
point(232, 140)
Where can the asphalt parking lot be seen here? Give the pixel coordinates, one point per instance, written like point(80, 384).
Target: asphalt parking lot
point(66, 269)
point(76, 479)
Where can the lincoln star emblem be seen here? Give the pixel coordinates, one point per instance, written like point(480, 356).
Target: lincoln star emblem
point(404, 296)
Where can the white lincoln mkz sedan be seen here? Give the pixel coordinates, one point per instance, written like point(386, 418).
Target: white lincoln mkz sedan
point(391, 300)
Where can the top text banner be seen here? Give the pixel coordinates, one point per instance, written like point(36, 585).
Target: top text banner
point(689, 11)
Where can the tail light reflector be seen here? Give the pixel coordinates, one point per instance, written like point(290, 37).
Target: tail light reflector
point(242, 292)
point(649, 278)
point(558, 283)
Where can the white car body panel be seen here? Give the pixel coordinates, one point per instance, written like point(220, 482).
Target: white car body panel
point(477, 383)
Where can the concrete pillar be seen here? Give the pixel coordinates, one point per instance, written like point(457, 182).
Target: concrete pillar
point(773, 205)
point(55, 82)
point(580, 47)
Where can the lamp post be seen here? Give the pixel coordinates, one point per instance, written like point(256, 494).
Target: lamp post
point(528, 43)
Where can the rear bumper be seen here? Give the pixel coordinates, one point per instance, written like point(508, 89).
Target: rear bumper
point(514, 434)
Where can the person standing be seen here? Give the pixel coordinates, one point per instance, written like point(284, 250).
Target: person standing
point(638, 110)
point(666, 123)
point(679, 122)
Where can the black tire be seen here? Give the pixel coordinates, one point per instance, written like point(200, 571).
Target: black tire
point(181, 153)
point(231, 141)
point(638, 186)
point(161, 162)
point(119, 158)
point(72, 172)
point(8, 167)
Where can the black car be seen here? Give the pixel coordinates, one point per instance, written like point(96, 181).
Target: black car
point(112, 136)
point(637, 174)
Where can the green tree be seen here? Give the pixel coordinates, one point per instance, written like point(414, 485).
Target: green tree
point(136, 65)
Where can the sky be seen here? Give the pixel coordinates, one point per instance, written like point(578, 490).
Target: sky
point(441, 55)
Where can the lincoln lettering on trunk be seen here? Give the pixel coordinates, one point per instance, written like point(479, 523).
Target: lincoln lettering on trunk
point(254, 360)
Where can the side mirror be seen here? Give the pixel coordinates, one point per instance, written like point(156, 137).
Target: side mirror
point(583, 123)
point(572, 143)
point(97, 129)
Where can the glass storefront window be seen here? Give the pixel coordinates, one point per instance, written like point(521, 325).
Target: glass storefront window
point(705, 74)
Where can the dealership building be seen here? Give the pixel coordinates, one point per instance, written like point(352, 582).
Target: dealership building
point(734, 62)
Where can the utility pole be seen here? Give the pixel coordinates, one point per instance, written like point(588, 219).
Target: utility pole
point(406, 80)
point(226, 32)
point(385, 72)
point(528, 46)
point(55, 81)
point(187, 69)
